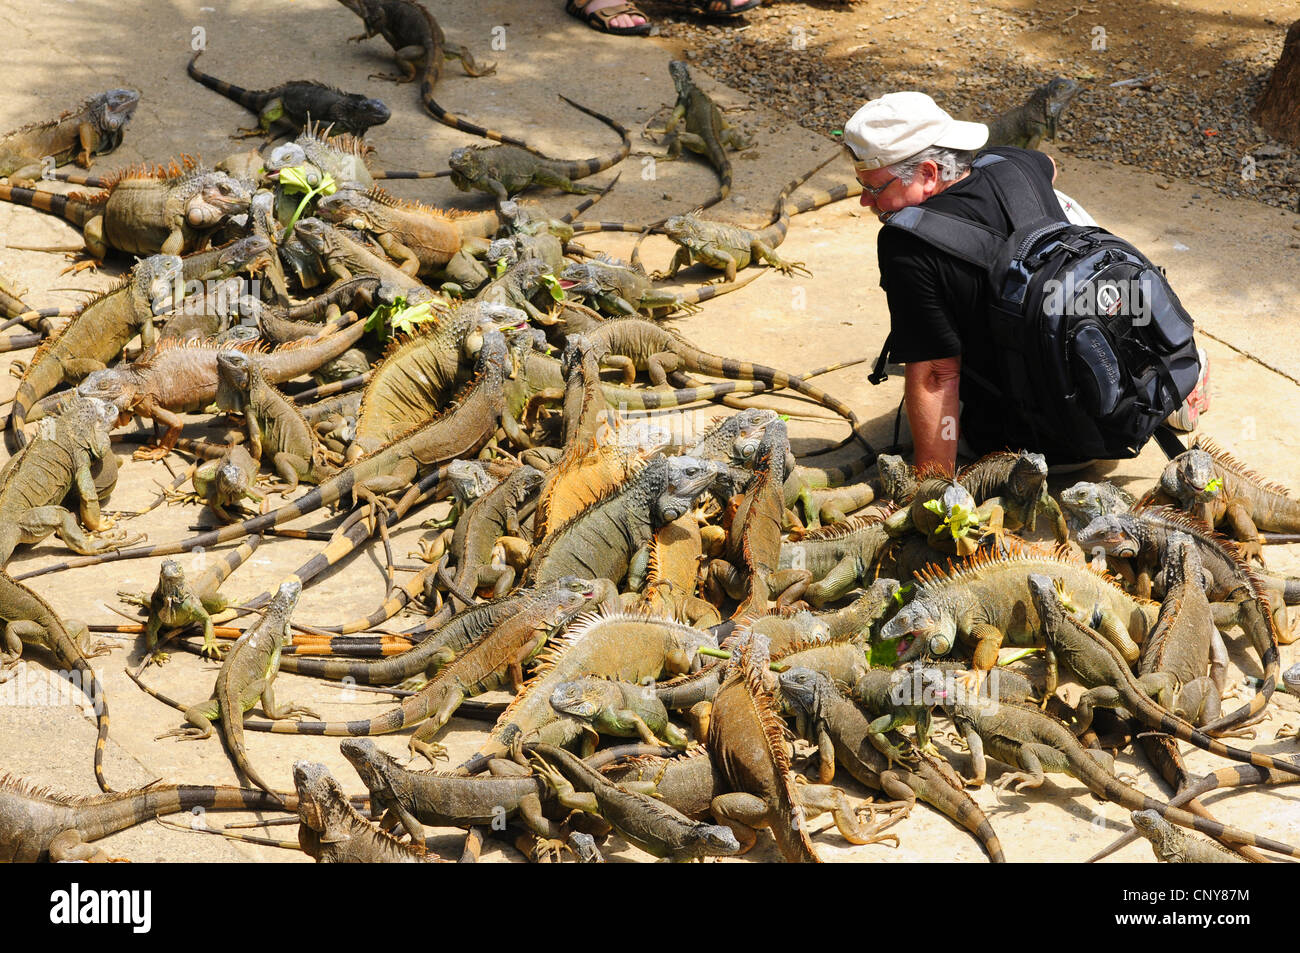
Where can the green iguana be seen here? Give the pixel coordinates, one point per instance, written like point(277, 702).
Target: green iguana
point(332, 832)
point(247, 675)
point(703, 129)
point(1026, 125)
point(79, 135)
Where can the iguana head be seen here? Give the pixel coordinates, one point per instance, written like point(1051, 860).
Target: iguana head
point(235, 370)
point(171, 577)
point(1059, 92)
point(1291, 679)
point(1047, 601)
point(582, 279)
point(286, 598)
point(925, 627)
point(317, 790)
point(319, 237)
point(502, 250)
point(685, 478)
point(1194, 477)
point(349, 207)
point(897, 478)
point(723, 441)
point(112, 385)
point(1084, 501)
point(159, 279)
point(1028, 475)
point(751, 432)
point(682, 229)
point(218, 197)
point(711, 840)
point(1111, 535)
point(110, 112)
point(468, 167)
point(468, 480)
point(801, 691)
point(250, 254)
point(681, 76)
point(585, 697)
point(921, 685)
point(379, 771)
point(231, 483)
point(291, 155)
point(355, 113)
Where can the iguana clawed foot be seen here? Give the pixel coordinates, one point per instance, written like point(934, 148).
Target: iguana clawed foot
point(1018, 781)
point(431, 751)
point(150, 453)
point(186, 733)
point(92, 265)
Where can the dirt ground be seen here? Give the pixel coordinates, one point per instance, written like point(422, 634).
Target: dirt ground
point(1233, 262)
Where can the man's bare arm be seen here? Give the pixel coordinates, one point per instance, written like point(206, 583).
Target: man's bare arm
point(930, 393)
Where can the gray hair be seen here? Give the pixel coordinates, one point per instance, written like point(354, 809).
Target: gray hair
point(952, 163)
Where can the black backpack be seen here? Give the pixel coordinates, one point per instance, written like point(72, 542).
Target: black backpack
point(1095, 349)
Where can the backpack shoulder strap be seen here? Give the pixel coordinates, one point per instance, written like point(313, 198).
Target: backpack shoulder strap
point(959, 237)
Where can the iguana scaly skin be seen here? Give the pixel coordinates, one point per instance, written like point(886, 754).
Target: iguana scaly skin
point(985, 600)
point(607, 644)
point(609, 539)
point(493, 661)
point(633, 344)
point(224, 483)
point(396, 466)
point(277, 430)
point(29, 620)
point(618, 708)
point(97, 334)
point(703, 129)
point(1172, 846)
point(504, 171)
point(346, 259)
point(728, 248)
point(749, 570)
point(1240, 596)
point(746, 741)
point(422, 370)
point(844, 738)
point(475, 540)
point(145, 210)
point(1017, 482)
point(838, 557)
point(176, 604)
point(297, 103)
point(176, 377)
point(415, 798)
point(34, 482)
point(38, 823)
point(421, 239)
point(671, 574)
point(648, 823)
point(625, 290)
point(1111, 684)
point(1220, 491)
point(247, 675)
point(1084, 502)
point(332, 832)
point(1026, 125)
point(420, 47)
point(688, 782)
point(79, 135)
point(1035, 743)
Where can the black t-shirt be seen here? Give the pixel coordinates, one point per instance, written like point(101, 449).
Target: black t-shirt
point(938, 303)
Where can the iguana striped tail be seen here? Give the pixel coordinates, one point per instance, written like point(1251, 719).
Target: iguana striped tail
point(71, 208)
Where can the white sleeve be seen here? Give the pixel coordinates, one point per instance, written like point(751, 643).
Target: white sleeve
point(1074, 212)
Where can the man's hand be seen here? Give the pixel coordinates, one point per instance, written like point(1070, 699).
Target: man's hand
point(930, 392)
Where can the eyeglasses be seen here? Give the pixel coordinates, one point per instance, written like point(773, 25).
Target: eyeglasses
point(875, 192)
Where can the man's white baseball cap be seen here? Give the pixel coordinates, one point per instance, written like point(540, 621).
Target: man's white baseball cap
point(899, 125)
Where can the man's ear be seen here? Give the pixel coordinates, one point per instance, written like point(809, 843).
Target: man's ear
point(928, 173)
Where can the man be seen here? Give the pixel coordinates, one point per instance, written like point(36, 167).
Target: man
point(907, 151)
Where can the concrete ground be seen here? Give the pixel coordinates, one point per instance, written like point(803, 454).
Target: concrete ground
point(1233, 263)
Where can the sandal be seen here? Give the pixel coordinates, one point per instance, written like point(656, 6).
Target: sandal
point(601, 19)
point(704, 8)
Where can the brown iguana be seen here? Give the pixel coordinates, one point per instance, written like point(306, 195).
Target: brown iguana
point(420, 47)
point(97, 334)
point(843, 737)
point(176, 377)
point(1222, 492)
point(38, 823)
point(145, 210)
point(247, 675)
point(297, 103)
point(29, 620)
point(79, 135)
point(60, 458)
point(1173, 846)
point(1026, 125)
point(332, 832)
